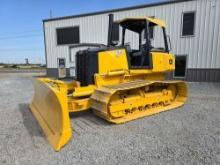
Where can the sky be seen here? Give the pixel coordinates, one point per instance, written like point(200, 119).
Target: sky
point(21, 30)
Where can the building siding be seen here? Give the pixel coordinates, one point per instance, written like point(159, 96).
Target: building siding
point(202, 49)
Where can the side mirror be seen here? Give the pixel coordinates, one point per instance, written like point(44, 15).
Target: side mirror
point(169, 46)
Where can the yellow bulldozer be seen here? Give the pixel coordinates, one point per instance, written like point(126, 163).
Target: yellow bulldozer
point(117, 82)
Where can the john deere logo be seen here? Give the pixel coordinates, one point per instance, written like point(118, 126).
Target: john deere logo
point(170, 61)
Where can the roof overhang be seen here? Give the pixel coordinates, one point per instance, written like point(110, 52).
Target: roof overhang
point(117, 10)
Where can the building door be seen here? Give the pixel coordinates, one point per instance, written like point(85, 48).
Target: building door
point(180, 66)
point(61, 67)
point(61, 63)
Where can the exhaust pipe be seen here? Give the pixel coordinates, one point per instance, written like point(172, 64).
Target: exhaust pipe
point(110, 29)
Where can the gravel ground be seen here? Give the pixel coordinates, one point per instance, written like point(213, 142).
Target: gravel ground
point(187, 135)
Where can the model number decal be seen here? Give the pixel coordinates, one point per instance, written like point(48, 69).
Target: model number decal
point(118, 53)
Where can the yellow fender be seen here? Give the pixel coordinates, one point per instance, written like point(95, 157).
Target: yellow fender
point(50, 108)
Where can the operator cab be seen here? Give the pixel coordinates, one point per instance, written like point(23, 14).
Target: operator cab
point(139, 52)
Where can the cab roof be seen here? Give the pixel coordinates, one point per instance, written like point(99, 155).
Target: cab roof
point(137, 24)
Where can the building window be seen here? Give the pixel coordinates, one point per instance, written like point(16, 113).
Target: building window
point(115, 32)
point(69, 35)
point(188, 23)
point(180, 66)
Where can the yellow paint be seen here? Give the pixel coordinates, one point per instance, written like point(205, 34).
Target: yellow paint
point(139, 102)
point(50, 108)
point(112, 60)
point(53, 102)
point(163, 62)
point(83, 91)
point(78, 104)
point(118, 95)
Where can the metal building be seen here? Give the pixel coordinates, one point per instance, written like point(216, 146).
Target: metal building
point(193, 26)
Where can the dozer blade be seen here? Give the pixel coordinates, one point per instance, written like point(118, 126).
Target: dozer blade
point(50, 108)
point(131, 100)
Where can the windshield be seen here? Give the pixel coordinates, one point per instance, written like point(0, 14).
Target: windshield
point(132, 38)
point(137, 39)
point(156, 35)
